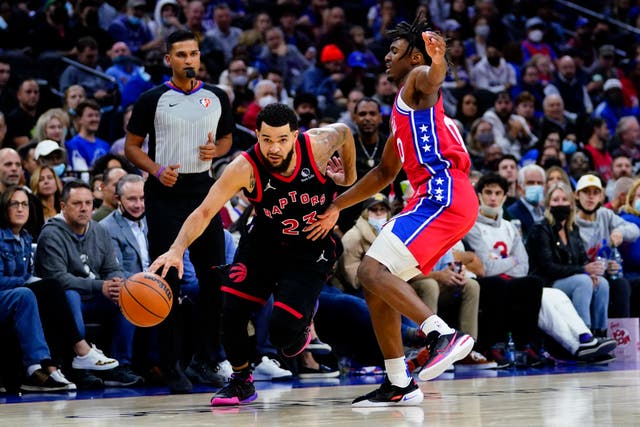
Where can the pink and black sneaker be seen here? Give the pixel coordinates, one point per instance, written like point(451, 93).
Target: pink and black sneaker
point(239, 391)
point(444, 351)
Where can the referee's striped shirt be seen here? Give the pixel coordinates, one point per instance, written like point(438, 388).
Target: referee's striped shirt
point(178, 123)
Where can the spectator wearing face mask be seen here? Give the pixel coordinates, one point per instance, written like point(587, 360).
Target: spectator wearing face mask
point(492, 72)
point(266, 93)
point(533, 44)
point(529, 207)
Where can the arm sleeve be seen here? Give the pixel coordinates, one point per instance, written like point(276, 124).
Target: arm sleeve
point(226, 123)
point(144, 111)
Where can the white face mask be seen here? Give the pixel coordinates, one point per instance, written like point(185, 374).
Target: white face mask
point(266, 100)
point(482, 31)
point(536, 36)
point(490, 211)
point(377, 223)
point(240, 80)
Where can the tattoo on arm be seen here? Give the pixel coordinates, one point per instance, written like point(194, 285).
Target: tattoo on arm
point(252, 182)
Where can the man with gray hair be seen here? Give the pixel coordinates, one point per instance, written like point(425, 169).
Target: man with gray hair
point(266, 92)
point(628, 133)
point(529, 207)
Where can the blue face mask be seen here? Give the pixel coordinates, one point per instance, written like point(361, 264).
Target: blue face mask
point(569, 147)
point(636, 205)
point(134, 20)
point(59, 169)
point(534, 194)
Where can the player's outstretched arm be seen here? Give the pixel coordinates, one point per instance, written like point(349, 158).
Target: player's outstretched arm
point(236, 176)
point(427, 80)
point(374, 181)
point(333, 138)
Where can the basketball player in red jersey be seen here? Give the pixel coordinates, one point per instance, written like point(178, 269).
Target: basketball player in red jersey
point(287, 177)
point(427, 144)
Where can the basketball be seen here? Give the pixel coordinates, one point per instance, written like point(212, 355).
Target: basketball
point(145, 299)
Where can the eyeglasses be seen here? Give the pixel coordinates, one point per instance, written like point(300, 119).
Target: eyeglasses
point(16, 205)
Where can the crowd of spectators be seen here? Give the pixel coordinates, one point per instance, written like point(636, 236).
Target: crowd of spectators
point(540, 93)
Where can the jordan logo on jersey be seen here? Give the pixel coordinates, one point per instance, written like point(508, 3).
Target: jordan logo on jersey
point(269, 186)
point(321, 257)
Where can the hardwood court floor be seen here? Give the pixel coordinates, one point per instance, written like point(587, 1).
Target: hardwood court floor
point(605, 397)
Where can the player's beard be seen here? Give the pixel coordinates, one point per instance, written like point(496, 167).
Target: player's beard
point(284, 165)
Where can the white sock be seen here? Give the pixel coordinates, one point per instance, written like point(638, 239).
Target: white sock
point(31, 369)
point(397, 372)
point(435, 323)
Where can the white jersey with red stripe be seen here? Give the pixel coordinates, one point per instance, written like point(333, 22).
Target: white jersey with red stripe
point(427, 143)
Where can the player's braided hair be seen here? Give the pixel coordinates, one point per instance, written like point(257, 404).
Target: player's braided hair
point(412, 33)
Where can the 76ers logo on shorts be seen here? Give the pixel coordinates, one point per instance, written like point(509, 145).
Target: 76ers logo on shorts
point(205, 102)
point(238, 272)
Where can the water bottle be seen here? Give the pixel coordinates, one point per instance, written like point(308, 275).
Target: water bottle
point(615, 256)
point(511, 350)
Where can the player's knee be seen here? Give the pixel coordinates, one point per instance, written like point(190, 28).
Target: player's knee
point(285, 330)
point(366, 275)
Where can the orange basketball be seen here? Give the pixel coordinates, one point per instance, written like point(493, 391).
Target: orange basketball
point(145, 299)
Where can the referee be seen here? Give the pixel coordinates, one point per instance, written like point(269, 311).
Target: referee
point(189, 124)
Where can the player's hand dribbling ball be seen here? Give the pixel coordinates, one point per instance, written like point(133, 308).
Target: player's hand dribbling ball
point(145, 299)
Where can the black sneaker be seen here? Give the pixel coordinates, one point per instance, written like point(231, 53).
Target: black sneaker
point(200, 372)
point(42, 382)
point(596, 347)
point(85, 379)
point(444, 351)
point(323, 371)
point(390, 395)
point(603, 359)
point(121, 376)
point(318, 347)
point(176, 380)
point(239, 391)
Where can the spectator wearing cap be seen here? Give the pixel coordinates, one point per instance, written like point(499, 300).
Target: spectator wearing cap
point(284, 57)
point(132, 29)
point(328, 73)
point(601, 226)
point(50, 153)
point(566, 84)
point(612, 108)
point(533, 44)
point(358, 75)
point(606, 69)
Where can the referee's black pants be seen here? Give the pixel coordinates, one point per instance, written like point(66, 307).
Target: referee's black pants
point(166, 209)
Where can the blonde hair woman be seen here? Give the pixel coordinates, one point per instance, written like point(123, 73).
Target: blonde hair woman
point(46, 185)
point(557, 254)
point(52, 124)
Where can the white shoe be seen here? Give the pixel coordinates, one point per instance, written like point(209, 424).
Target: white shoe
point(59, 377)
point(95, 360)
point(270, 370)
point(225, 370)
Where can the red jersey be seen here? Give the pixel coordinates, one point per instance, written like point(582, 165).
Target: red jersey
point(427, 143)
